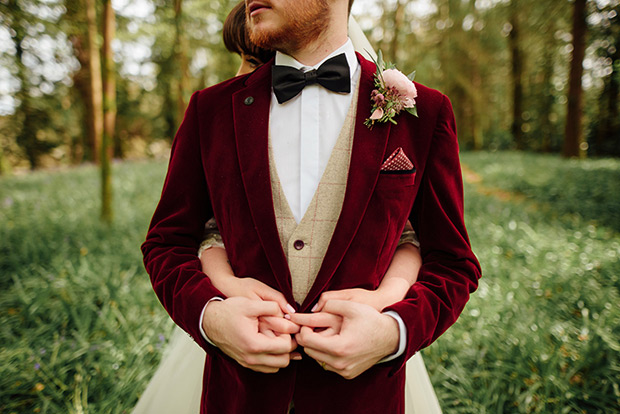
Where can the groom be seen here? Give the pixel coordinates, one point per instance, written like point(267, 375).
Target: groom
point(305, 204)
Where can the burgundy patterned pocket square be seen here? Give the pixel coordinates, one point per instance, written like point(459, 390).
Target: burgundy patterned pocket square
point(398, 161)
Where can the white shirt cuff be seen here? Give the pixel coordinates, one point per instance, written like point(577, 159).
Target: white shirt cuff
point(202, 314)
point(402, 341)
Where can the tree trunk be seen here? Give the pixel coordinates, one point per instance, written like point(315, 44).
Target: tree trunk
point(5, 168)
point(517, 76)
point(384, 23)
point(546, 107)
point(26, 138)
point(78, 37)
point(181, 47)
point(95, 117)
point(109, 109)
point(399, 17)
point(609, 117)
point(573, 134)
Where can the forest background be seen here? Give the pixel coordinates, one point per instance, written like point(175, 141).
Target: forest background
point(527, 74)
point(92, 92)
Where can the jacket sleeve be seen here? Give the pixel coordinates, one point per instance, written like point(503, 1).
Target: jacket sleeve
point(176, 230)
point(449, 271)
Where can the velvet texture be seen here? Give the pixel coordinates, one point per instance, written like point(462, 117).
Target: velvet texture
point(219, 167)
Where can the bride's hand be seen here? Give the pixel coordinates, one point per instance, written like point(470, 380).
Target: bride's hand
point(368, 297)
point(215, 264)
point(389, 292)
point(251, 289)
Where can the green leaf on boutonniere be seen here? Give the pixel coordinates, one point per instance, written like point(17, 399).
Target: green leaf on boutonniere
point(411, 76)
point(380, 63)
point(413, 111)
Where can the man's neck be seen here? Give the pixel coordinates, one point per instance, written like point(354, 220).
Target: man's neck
point(333, 37)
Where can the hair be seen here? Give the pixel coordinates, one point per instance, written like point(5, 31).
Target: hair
point(350, 5)
point(236, 37)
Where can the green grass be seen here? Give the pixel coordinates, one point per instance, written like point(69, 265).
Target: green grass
point(79, 325)
point(541, 335)
point(589, 189)
point(81, 330)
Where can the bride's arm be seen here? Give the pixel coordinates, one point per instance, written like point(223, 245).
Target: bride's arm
point(216, 266)
point(400, 276)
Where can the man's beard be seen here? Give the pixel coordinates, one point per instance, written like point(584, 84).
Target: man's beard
point(304, 22)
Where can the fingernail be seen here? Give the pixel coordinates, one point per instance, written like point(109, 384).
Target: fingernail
point(290, 308)
point(314, 307)
point(296, 357)
point(287, 316)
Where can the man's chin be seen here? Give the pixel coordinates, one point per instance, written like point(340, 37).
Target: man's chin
point(267, 37)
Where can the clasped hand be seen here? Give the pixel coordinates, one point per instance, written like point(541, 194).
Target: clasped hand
point(262, 333)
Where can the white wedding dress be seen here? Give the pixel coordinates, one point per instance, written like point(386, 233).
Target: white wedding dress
point(176, 386)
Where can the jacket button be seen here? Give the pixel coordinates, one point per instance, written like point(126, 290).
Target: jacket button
point(298, 244)
point(249, 100)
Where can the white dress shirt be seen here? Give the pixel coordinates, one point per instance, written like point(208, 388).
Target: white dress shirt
point(302, 145)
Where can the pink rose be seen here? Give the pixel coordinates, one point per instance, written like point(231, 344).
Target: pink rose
point(408, 102)
point(377, 114)
point(394, 78)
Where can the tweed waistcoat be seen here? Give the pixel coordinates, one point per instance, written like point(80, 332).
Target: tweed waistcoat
point(305, 244)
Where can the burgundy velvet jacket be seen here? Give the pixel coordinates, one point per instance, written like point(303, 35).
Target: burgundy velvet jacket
point(219, 167)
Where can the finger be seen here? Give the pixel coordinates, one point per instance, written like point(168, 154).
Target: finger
point(321, 357)
point(262, 308)
point(295, 356)
point(331, 295)
point(266, 331)
point(261, 368)
point(263, 344)
point(267, 360)
point(316, 340)
point(329, 332)
point(328, 362)
point(279, 325)
point(267, 293)
point(344, 308)
point(316, 320)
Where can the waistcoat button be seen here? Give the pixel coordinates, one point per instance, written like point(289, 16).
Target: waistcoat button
point(298, 244)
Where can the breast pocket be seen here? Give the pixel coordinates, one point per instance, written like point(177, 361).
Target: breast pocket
point(396, 181)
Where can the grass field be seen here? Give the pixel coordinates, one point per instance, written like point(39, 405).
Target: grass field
point(81, 330)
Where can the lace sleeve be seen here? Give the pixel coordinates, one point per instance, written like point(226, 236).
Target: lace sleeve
point(409, 236)
point(211, 237)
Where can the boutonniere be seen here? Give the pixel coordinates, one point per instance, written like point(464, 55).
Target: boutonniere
point(393, 93)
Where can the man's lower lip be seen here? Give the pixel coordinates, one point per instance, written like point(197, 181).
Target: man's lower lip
point(257, 11)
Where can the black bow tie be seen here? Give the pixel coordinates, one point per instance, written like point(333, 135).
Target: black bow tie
point(333, 74)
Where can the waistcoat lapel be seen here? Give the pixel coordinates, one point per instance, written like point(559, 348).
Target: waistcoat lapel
point(251, 119)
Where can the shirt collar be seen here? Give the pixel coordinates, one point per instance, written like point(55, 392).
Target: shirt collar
point(347, 49)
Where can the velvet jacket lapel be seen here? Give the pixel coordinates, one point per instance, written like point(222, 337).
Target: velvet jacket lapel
point(251, 119)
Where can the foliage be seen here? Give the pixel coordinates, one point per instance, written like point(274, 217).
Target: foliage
point(80, 326)
point(541, 333)
point(82, 330)
point(463, 48)
point(50, 79)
